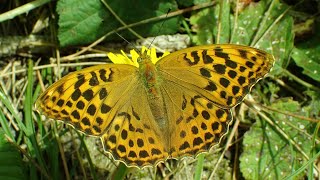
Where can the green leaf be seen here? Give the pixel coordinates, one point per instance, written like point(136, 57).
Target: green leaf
point(279, 42)
point(82, 21)
point(212, 24)
point(248, 23)
point(186, 3)
point(311, 66)
point(222, 29)
point(11, 165)
point(266, 26)
point(307, 55)
point(269, 155)
point(314, 103)
point(203, 24)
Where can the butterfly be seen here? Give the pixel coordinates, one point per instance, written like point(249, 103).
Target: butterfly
point(158, 108)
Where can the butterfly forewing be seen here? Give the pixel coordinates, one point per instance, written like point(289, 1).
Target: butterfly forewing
point(222, 73)
point(86, 98)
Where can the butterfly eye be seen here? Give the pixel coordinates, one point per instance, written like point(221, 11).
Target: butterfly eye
point(139, 60)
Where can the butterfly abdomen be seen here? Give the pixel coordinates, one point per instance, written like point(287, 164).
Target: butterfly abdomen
point(152, 81)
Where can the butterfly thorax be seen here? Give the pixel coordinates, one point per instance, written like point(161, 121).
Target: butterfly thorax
point(151, 80)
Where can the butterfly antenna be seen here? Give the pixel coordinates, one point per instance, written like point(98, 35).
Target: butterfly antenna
point(134, 47)
point(159, 28)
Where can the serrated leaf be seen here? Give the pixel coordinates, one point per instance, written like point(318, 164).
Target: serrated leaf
point(82, 22)
point(11, 166)
point(269, 155)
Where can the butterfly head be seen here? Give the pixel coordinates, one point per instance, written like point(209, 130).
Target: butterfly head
point(143, 57)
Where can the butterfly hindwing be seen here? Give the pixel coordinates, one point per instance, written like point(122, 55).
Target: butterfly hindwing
point(134, 136)
point(196, 123)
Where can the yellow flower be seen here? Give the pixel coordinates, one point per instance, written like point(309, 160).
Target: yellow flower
point(124, 59)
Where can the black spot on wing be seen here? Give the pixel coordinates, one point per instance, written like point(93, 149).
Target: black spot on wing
point(249, 64)
point(231, 64)
point(88, 95)
point(81, 80)
point(232, 74)
point(204, 72)
point(103, 93)
point(102, 73)
point(219, 68)
point(194, 60)
point(211, 86)
point(76, 94)
point(94, 79)
point(243, 53)
point(224, 82)
point(206, 58)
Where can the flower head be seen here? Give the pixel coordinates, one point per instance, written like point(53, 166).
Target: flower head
point(124, 59)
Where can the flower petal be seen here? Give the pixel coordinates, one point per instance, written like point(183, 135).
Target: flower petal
point(124, 59)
